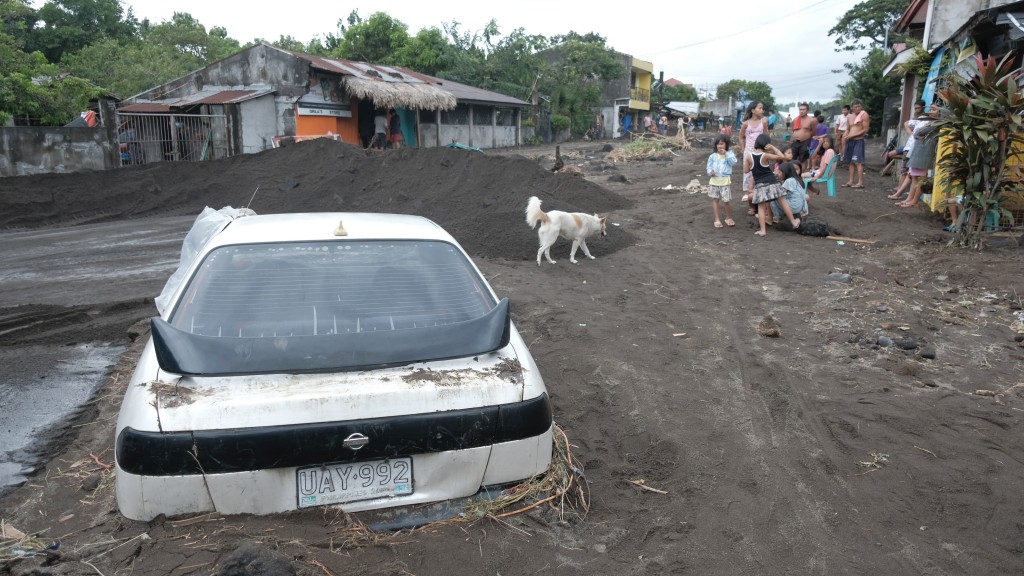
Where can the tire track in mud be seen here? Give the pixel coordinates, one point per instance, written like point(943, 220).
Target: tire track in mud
point(760, 403)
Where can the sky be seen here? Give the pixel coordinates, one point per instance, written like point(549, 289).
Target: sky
point(701, 42)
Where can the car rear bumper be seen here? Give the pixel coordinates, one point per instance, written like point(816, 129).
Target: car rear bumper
point(438, 476)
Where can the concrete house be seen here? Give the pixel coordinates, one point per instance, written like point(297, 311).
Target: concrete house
point(263, 96)
point(628, 96)
point(986, 27)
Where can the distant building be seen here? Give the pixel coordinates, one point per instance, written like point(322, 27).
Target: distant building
point(264, 96)
point(629, 95)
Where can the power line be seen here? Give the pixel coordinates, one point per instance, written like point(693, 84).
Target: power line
point(762, 25)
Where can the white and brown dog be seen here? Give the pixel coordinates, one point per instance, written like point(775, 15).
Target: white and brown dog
point(575, 226)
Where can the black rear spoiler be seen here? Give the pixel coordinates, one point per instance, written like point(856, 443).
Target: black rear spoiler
point(181, 352)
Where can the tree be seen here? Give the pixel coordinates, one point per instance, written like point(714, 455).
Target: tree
point(868, 20)
point(680, 93)
point(868, 85)
point(187, 37)
point(574, 74)
point(289, 43)
point(756, 91)
point(17, 19)
point(512, 65)
point(70, 25)
point(35, 92)
point(466, 61)
point(425, 52)
point(377, 39)
point(163, 52)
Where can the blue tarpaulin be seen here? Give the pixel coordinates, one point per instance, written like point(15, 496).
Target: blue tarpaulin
point(928, 93)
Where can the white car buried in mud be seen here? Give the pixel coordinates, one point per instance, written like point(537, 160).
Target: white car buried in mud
point(301, 360)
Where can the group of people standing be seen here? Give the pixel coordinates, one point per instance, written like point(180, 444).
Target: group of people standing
point(771, 177)
point(918, 156)
point(387, 130)
point(774, 179)
point(659, 126)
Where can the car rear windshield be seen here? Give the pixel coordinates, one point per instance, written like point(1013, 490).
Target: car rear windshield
point(335, 287)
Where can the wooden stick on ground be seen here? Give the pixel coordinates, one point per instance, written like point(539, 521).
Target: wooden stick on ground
point(848, 239)
point(641, 484)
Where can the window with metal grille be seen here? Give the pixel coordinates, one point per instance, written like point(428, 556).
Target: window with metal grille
point(458, 116)
point(505, 116)
point(337, 287)
point(483, 115)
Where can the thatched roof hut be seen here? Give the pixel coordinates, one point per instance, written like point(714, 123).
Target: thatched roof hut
point(385, 86)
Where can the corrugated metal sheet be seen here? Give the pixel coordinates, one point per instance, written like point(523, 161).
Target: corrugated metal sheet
point(223, 96)
point(363, 70)
point(145, 107)
point(210, 95)
point(370, 72)
point(472, 95)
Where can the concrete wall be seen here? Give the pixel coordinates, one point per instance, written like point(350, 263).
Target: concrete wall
point(504, 136)
point(257, 120)
point(945, 17)
point(455, 133)
point(260, 119)
point(260, 65)
point(478, 136)
point(35, 150)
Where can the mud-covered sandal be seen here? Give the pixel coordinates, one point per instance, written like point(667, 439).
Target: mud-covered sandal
point(718, 223)
point(730, 222)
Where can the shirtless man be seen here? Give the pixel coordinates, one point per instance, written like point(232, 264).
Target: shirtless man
point(853, 144)
point(804, 127)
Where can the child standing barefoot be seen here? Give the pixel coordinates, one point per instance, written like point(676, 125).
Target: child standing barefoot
point(719, 168)
point(766, 185)
point(754, 124)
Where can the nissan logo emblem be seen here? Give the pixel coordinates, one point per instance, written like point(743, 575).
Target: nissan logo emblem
point(355, 441)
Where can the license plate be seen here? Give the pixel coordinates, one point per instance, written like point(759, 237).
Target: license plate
point(352, 481)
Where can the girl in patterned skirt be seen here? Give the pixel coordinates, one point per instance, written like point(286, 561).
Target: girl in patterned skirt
point(766, 184)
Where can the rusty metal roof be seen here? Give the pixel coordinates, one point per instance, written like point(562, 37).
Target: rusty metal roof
point(364, 70)
point(147, 107)
point(223, 96)
point(209, 95)
point(397, 74)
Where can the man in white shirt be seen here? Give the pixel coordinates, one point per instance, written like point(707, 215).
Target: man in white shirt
point(841, 123)
point(380, 130)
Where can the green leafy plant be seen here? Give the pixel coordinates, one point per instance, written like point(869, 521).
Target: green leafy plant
point(917, 64)
point(560, 122)
point(985, 126)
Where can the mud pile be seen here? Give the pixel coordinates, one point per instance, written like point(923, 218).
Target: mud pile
point(479, 198)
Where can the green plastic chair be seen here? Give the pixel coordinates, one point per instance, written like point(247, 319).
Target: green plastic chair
point(828, 177)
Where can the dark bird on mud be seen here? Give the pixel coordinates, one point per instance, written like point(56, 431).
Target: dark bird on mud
point(558, 161)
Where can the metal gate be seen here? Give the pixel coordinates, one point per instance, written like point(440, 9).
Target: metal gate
point(146, 138)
